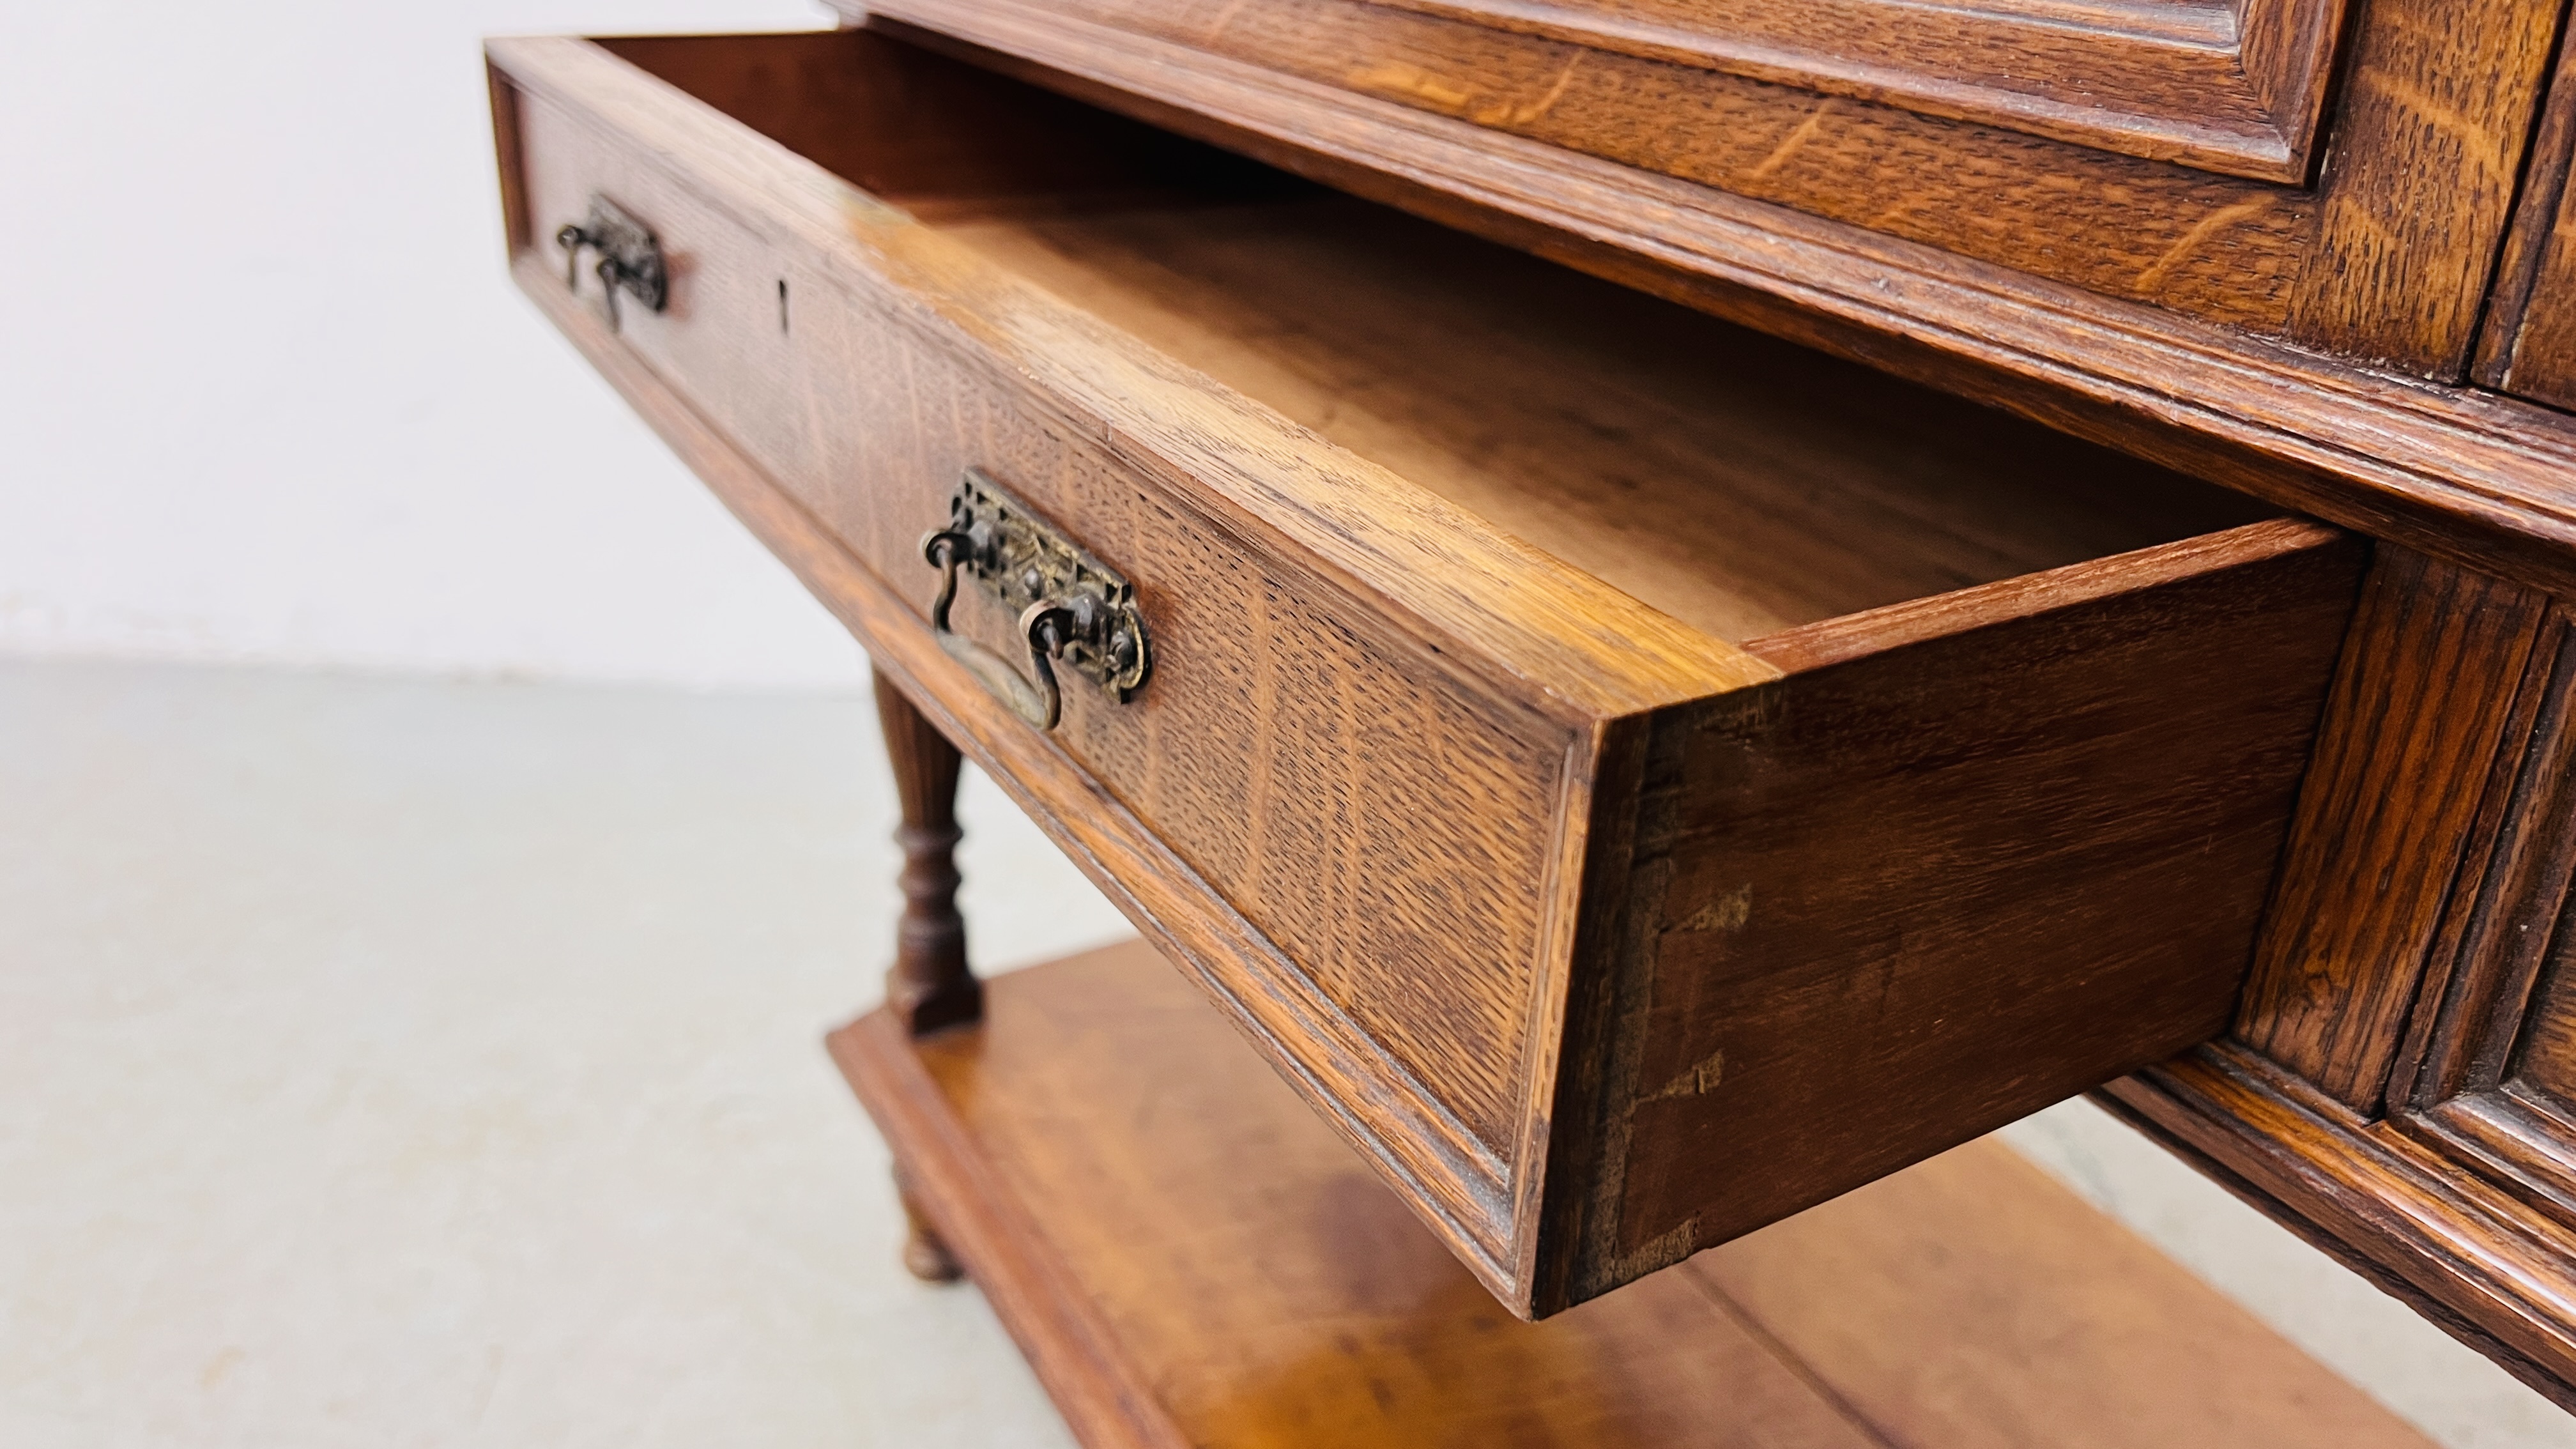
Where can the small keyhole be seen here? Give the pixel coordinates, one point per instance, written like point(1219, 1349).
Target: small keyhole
point(782, 306)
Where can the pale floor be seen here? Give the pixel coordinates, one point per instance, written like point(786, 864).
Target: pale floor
point(394, 1063)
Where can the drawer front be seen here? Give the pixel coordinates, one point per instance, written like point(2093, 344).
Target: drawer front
point(1499, 866)
point(2190, 160)
point(1390, 829)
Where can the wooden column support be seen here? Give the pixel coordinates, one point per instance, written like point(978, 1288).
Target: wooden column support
point(929, 985)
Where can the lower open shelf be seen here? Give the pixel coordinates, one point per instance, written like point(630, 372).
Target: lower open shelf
point(1189, 1257)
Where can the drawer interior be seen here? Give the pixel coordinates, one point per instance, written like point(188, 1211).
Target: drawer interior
point(1736, 482)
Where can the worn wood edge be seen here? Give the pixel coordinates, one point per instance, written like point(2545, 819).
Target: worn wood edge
point(2289, 51)
point(1538, 629)
point(2489, 1271)
point(1853, 636)
point(2264, 133)
point(506, 153)
point(1567, 1224)
point(1002, 1245)
point(2513, 1139)
point(2119, 1100)
point(1595, 814)
point(1456, 1183)
point(2468, 476)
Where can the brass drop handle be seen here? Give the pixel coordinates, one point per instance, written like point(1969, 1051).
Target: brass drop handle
point(1073, 610)
point(630, 258)
point(1041, 625)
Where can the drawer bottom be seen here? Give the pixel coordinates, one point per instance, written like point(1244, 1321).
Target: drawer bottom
point(1190, 1257)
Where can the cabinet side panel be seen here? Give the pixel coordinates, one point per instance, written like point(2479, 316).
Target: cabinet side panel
point(1921, 891)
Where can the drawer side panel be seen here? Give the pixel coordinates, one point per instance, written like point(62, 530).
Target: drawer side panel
point(1919, 891)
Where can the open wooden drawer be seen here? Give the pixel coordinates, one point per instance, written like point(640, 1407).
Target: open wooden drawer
point(1637, 778)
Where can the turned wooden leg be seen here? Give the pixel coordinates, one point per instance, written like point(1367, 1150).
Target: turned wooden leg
point(928, 986)
point(925, 1254)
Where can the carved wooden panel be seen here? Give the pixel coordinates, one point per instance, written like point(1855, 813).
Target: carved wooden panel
point(2397, 796)
point(2496, 1081)
point(2234, 88)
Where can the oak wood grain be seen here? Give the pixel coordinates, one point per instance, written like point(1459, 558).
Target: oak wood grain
point(2001, 1311)
point(2385, 256)
point(1349, 1081)
point(2528, 241)
point(2497, 929)
point(1736, 483)
point(2415, 1119)
point(2490, 1080)
point(2438, 101)
point(2464, 476)
point(1375, 533)
point(2218, 247)
point(1898, 847)
point(2233, 89)
point(1188, 1257)
point(2487, 1267)
point(1341, 775)
point(2458, 1189)
point(2530, 345)
point(2422, 705)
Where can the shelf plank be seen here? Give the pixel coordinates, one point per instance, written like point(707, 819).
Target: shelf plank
point(1189, 1257)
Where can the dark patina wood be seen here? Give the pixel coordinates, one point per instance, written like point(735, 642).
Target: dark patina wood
point(2399, 1088)
point(2398, 798)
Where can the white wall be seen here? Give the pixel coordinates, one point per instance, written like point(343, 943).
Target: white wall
point(266, 393)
